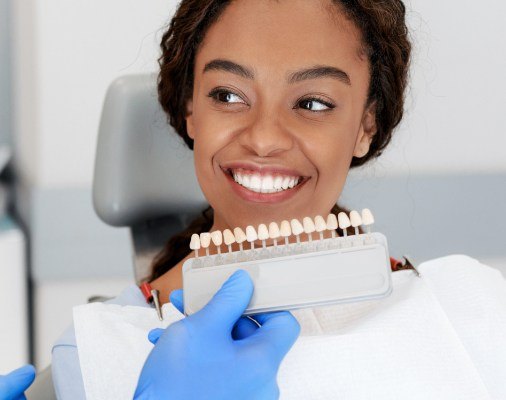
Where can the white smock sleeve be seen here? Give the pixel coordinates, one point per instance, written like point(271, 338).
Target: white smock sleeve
point(66, 370)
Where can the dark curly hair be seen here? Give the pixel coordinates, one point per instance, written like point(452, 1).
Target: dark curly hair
point(385, 41)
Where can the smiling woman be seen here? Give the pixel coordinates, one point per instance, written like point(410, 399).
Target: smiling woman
point(278, 99)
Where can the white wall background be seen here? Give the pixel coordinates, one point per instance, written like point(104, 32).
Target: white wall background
point(456, 102)
point(66, 54)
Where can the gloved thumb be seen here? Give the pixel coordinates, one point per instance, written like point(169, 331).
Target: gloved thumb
point(278, 333)
point(228, 304)
point(13, 385)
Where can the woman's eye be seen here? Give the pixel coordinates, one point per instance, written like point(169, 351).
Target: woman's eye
point(224, 96)
point(315, 105)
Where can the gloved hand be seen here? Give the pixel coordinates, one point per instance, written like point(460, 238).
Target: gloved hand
point(198, 357)
point(13, 385)
point(244, 327)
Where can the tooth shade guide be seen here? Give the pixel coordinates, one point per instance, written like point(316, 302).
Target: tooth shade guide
point(269, 237)
point(294, 262)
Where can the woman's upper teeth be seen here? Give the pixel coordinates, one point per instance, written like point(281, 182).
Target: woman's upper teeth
point(265, 183)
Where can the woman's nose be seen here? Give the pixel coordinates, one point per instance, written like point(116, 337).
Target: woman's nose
point(266, 136)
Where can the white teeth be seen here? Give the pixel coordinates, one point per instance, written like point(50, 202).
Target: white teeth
point(251, 234)
point(278, 182)
point(367, 218)
point(355, 218)
point(263, 232)
point(308, 224)
point(205, 239)
point(331, 222)
point(344, 221)
point(320, 224)
point(285, 229)
point(228, 237)
point(286, 181)
point(297, 228)
point(246, 181)
point(273, 230)
point(217, 238)
point(266, 183)
point(255, 183)
point(239, 234)
point(195, 242)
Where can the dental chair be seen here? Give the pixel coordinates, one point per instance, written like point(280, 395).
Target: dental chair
point(144, 179)
point(144, 174)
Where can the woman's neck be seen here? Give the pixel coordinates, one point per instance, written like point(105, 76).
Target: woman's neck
point(171, 280)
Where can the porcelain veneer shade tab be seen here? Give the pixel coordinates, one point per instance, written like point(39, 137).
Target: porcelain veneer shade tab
point(273, 230)
point(217, 238)
point(205, 239)
point(239, 234)
point(308, 225)
point(285, 230)
point(344, 221)
point(331, 222)
point(228, 237)
point(319, 223)
point(355, 218)
point(263, 232)
point(297, 228)
point(195, 242)
point(367, 217)
point(251, 234)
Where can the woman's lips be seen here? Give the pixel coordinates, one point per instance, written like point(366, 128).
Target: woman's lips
point(249, 195)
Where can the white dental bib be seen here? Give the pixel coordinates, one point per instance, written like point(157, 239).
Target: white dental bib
point(440, 336)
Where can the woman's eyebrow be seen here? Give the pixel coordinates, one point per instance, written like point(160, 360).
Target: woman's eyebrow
point(229, 66)
point(317, 71)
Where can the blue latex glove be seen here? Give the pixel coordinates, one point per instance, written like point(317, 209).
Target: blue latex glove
point(244, 327)
point(198, 357)
point(13, 385)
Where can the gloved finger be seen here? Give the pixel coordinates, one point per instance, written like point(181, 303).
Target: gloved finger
point(13, 385)
point(155, 334)
point(176, 298)
point(227, 305)
point(243, 328)
point(278, 332)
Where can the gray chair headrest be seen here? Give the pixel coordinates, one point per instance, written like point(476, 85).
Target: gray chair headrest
point(143, 169)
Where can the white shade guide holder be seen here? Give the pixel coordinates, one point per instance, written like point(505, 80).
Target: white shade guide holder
point(316, 276)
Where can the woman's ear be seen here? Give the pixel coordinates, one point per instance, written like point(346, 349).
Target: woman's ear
point(189, 119)
point(366, 132)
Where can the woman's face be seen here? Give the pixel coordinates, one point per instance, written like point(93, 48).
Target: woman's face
point(280, 93)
